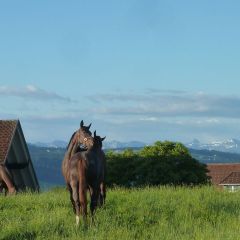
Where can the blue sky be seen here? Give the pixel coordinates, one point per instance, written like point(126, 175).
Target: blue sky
point(138, 70)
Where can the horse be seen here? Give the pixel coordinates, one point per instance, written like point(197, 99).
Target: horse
point(77, 140)
point(102, 157)
point(86, 173)
point(6, 182)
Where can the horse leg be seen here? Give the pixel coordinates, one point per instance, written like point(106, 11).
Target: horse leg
point(71, 197)
point(82, 189)
point(83, 202)
point(94, 200)
point(75, 198)
point(1, 187)
point(102, 195)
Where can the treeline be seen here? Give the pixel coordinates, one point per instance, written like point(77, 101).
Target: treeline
point(165, 163)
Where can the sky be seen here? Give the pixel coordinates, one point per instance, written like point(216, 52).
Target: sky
point(136, 69)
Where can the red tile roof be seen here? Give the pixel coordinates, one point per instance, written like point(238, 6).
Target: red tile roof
point(219, 171)
point(233, 178)
point(7, 130)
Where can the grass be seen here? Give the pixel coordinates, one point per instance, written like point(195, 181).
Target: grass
point(148, 213)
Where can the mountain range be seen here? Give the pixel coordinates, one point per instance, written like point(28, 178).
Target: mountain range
point(231, 145)
point(106, 145)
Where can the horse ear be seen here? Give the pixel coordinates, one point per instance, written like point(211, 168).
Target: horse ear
point(95, 133)
point(89, 126)
point(81, 123)
point(103, 138)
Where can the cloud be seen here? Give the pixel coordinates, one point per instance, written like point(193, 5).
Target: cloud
point(157, 91)
point(174, 104)
point(149, 115)
point(31, 92)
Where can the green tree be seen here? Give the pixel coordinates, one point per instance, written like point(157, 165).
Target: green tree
point(162, 163)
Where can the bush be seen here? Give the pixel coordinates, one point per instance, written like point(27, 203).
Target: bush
point(163, 163)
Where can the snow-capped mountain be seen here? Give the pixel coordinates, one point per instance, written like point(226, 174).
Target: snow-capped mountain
point(117, 144)
point(106, 145)
point(231, 145)
point(54, 144)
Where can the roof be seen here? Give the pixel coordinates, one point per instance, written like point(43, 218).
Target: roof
point(232, 179)
point(218, 172)
point(7, 130)
point(15, 156)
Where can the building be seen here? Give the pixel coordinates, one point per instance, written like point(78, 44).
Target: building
point(225, 175)
point(231, 182)
point(15, 156)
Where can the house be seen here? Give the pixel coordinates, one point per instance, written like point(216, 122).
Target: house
point(14, 155)
point(225, 175)
point(231, 182)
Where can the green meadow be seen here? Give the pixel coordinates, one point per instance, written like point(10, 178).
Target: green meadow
point(144, 213)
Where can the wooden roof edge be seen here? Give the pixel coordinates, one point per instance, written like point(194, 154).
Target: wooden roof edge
point(14, 132)
point(212, 164)
point(30, 163)
point(28, 155)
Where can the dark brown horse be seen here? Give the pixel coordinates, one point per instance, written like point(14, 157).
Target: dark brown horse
point(6, 182)
point(86, 173)
point(102, 158)
point(78, 139)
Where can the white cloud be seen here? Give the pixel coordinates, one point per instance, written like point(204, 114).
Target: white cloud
point(31, 92)
point(31, 88)
point(150, 119)
point(167, 104)
point(129, 116)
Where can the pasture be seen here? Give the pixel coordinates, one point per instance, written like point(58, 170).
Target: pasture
point(147, 213)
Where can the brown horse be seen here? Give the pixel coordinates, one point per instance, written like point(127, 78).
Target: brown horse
point(6, 181)
point(78, 139)
point(86, 173)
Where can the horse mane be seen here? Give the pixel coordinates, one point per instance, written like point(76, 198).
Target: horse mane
point(71, 139)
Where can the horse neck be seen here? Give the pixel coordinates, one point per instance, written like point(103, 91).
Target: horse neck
point(94, 148)
point(72, 147)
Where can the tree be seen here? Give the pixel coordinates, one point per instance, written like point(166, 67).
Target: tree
point(162, 163)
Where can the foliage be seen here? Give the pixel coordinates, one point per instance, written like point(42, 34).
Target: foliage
point(149, 213)
point(163, 163)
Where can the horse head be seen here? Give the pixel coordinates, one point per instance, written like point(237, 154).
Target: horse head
point(83, 136)
point(98, 140)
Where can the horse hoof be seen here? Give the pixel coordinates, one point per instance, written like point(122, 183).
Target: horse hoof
point(77, 220)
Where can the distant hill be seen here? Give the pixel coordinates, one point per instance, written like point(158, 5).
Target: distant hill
point(54, 144)
point(47, 164)
point(106, 144)
point(119, 145)
point(231, 145)
point(212, 156)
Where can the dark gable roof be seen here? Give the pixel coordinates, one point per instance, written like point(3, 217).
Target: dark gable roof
point(233, 178)
point(7, 130)
point(15, 156)
point(219, 171)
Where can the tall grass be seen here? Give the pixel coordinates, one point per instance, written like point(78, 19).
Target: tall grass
point(148, 213)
